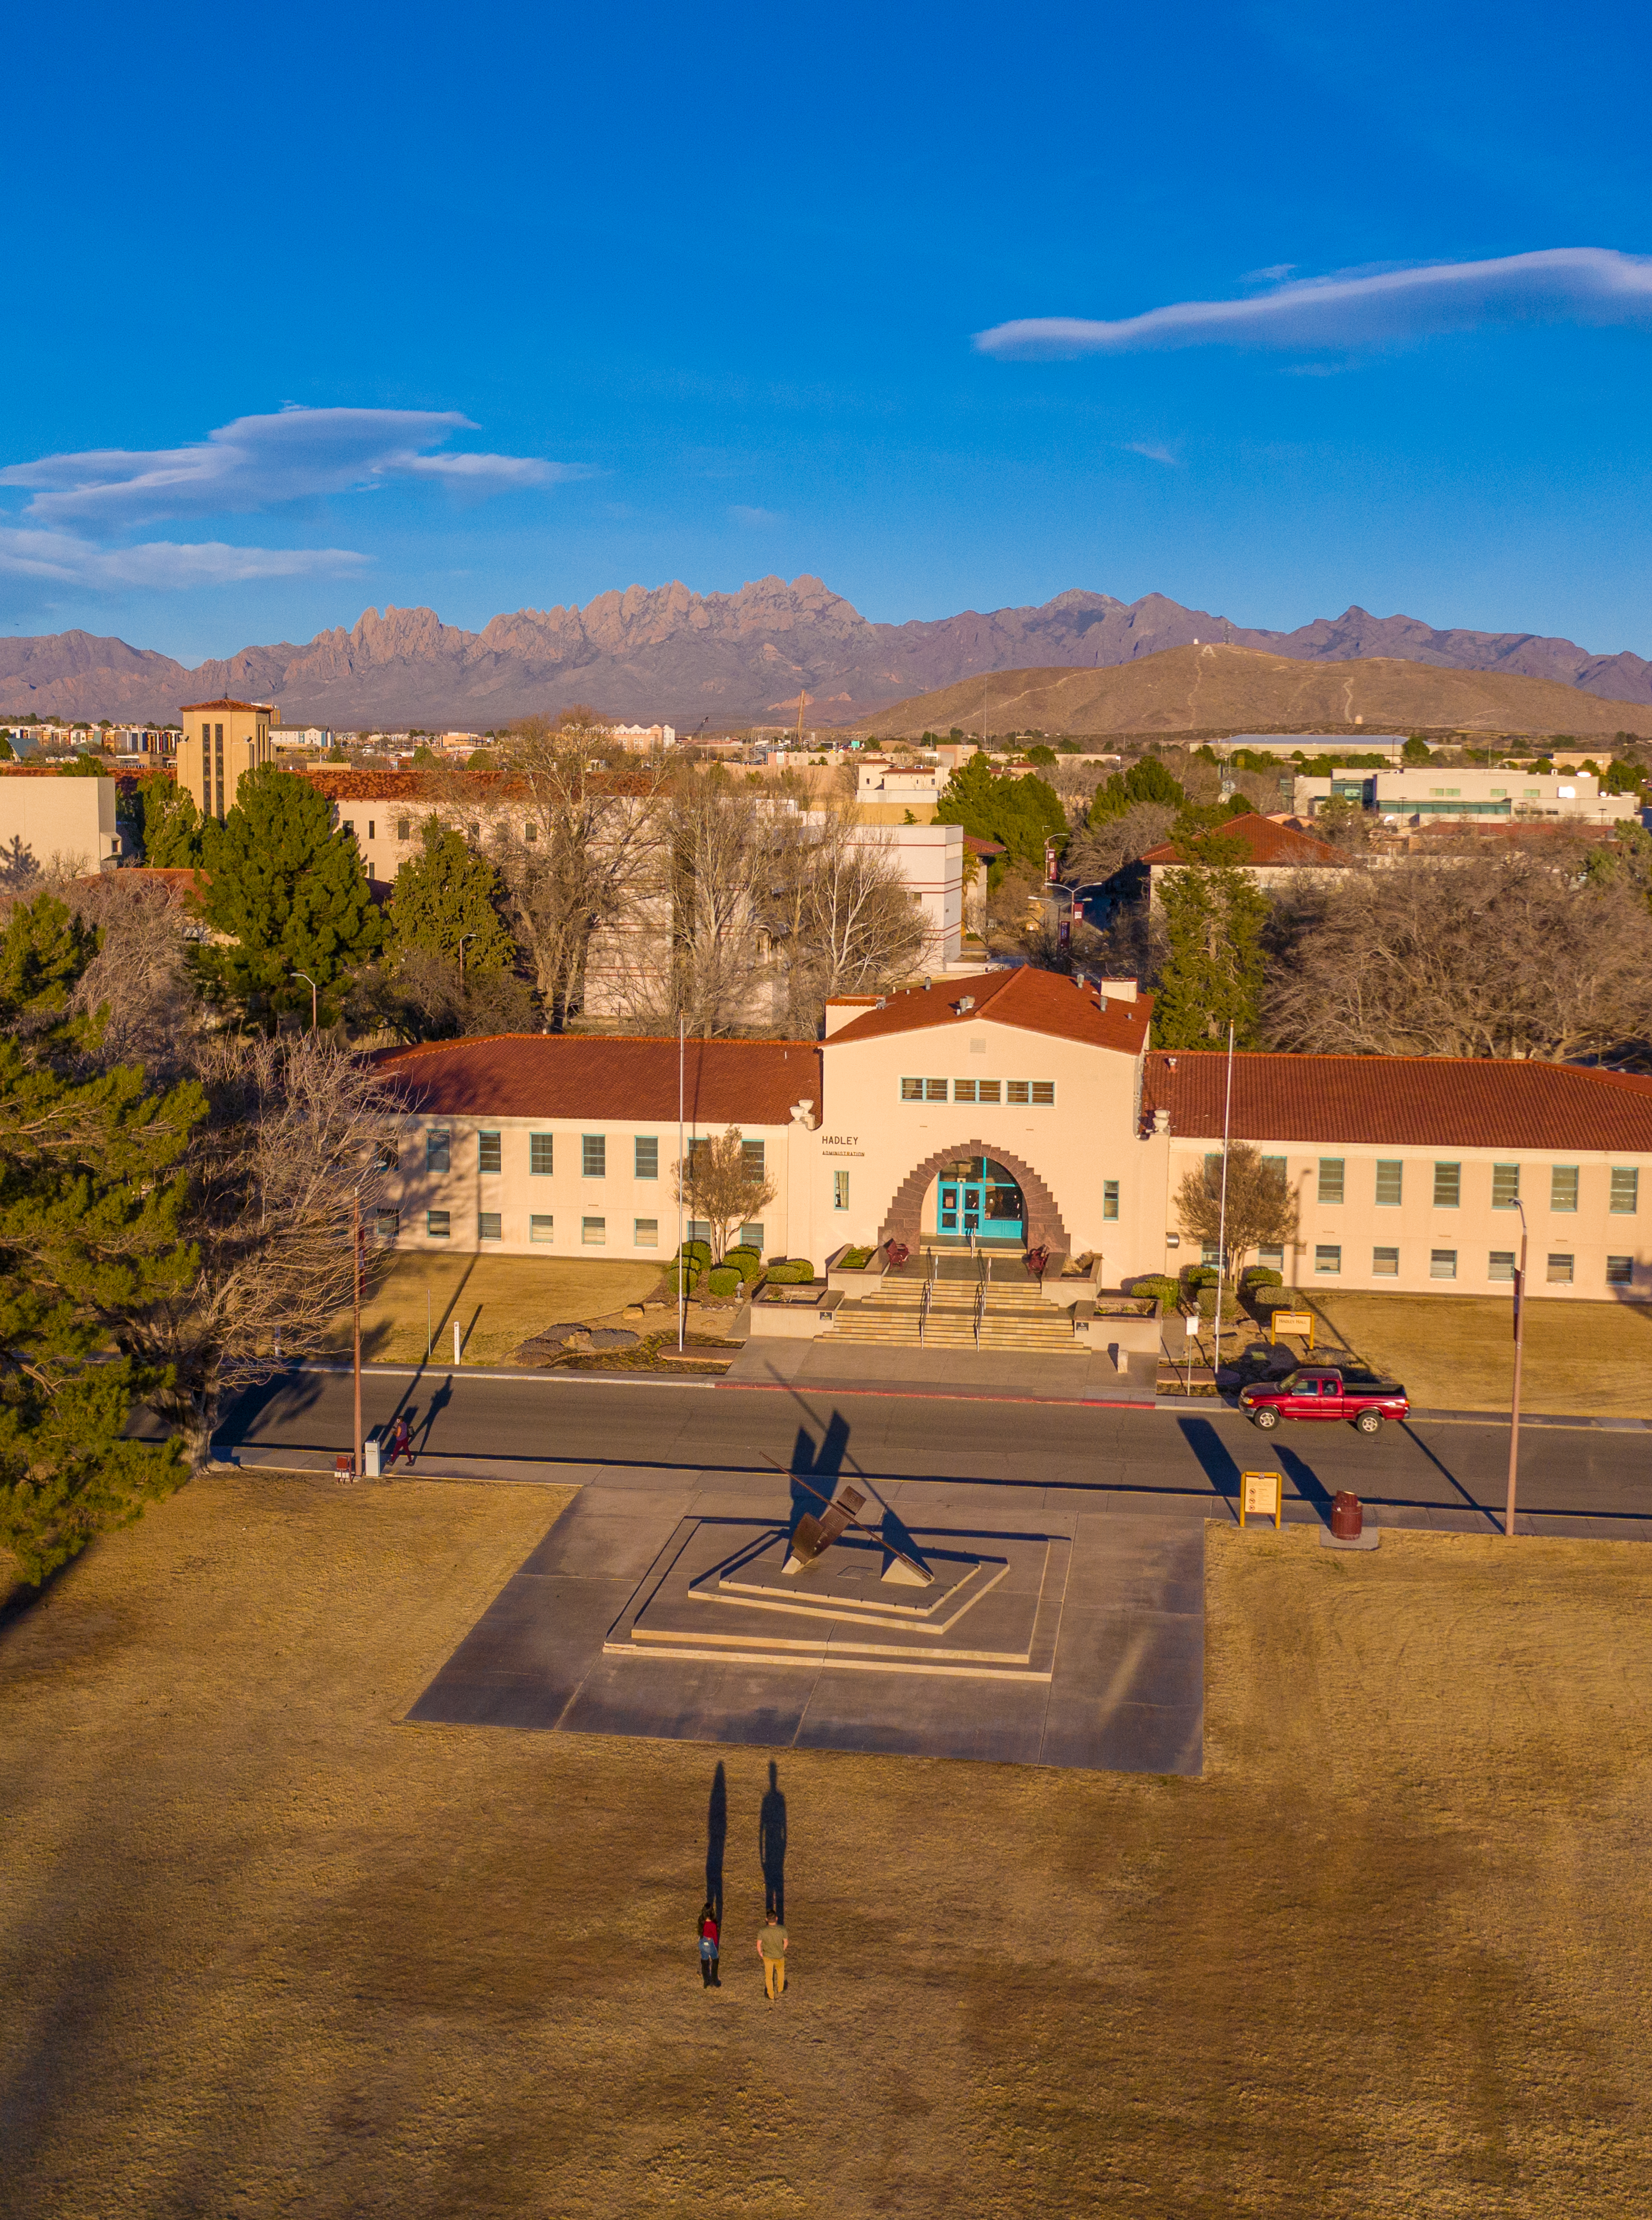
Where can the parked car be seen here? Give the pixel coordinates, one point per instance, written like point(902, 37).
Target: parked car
point(1326, 1392)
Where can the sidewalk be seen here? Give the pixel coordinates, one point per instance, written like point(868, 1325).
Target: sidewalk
point(999, 1376)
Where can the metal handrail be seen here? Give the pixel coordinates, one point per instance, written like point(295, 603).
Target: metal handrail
point(923, 1307)
point(981, 1293)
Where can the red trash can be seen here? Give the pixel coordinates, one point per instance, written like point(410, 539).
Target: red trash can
point(1347, 1516)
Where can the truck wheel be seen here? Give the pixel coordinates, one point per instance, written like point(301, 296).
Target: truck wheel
point(1369, 1422)
point(1267, 1418)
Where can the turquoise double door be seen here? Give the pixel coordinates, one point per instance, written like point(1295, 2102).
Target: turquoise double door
point(978, 1196)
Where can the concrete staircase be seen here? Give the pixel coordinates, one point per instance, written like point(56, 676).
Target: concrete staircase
point(1005, 1311)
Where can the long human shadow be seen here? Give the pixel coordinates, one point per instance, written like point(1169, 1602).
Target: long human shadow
point(771, 1847)
point(716, 1840)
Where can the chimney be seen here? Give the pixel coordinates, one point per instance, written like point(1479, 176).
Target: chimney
point(1117, 990)
point(1161, 1121)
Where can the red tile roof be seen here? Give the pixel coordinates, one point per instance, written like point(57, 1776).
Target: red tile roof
point(1404, 1101)
point(1037, 1002)
point(1267, 843)
point(728, 1083)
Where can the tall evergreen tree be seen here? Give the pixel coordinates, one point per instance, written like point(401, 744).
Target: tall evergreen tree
point(1021, 813)
point(1213, 916)
point(288, 890)
point(168, 824)
point(447, 893)
point(90, 1204)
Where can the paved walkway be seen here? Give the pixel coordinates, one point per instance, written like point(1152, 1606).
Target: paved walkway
point(996, 1374)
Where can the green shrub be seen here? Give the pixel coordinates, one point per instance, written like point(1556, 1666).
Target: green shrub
point(698, 1253)
point(1159, 1285)
point(680, 1281)
point(721, 1280)
point(1264, 1302)
point(855, 1260)
point(746, 1261)
point(1261, 1275)
point(1207, 1303)
point(1199, 1276)
point(791, 1272)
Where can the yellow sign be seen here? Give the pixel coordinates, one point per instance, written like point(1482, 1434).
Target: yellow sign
point(1291, 1322)
point(1262, 1493)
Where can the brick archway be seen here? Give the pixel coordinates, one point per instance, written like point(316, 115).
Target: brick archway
point(903, 1219)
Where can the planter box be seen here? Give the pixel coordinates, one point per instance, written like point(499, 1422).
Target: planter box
point(855, 1279)
point(795, 1313)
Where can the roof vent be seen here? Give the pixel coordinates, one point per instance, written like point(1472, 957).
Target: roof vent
point(964, 1002)
point(1161, 1121)
point(881, 1003)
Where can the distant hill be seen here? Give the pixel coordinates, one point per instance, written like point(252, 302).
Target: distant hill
point(724, 659)
point(1220, 689)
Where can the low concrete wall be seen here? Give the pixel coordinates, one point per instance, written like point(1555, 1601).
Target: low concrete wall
point(793, 1321)
point(855, 1283)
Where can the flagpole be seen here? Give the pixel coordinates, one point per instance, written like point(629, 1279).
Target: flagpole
point(681, 1285)
point(1221, 1237)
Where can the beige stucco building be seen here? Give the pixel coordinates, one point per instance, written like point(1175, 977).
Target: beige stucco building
point(1022, 1108)
point(66, 823)
point(222, 740)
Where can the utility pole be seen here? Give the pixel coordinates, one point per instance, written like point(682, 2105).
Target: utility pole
point(1519, 1352)
point(681, 1285)
point(1221, 1235)
point(305, 976)
point(358, 1460)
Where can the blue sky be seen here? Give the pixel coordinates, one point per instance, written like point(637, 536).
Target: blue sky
point(507, 307)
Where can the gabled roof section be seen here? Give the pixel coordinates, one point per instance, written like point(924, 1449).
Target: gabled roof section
point(1035, 1001)
point(593, 1076)
point(1268, 844)
point(1404, 1101)
point(262, 708)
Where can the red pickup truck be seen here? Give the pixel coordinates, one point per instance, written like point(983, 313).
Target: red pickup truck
point(1326, 1391)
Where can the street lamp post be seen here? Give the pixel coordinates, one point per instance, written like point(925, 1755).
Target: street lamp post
point(358, 1454)
point(1519, 1352)
point(305, 976)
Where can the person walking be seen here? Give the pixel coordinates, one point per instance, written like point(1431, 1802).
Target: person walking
point(710, 1976)
point(771, 1949)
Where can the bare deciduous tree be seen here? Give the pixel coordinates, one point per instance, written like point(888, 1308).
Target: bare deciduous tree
point(843, 919)
point(721, 1183)
point(1261, 1210)
point(140, 977)
point(1512, 955)
point(1096, 851)
point(296, 1132)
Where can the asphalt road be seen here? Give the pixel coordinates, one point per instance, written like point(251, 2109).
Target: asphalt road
point(463, 1422)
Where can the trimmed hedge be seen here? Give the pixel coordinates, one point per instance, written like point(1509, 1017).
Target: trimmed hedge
point(722, 1281)
point(1158, 1285)
point(698, 1253)
point(1266, 1301)
point(791, 1272)
point(745, 1260)
point(1199, 1276)
point(1261, 1275)
point(1207, 1303)
point(679, 1282)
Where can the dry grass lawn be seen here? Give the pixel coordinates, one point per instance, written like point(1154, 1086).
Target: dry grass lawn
point(498, 1302)
point(1456, 1352)
point(267, 1951)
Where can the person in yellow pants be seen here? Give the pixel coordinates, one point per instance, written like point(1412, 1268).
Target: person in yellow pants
point(771, 1949)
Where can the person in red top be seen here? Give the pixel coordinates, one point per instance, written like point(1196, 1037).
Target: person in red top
point(709, 1976)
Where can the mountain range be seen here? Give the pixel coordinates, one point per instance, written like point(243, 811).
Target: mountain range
point(720, 660)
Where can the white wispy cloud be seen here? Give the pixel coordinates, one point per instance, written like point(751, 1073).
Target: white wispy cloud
point(754, 517)
point(63, 559)
point(1588, 283)
point(261, 462)
point(1151, 449)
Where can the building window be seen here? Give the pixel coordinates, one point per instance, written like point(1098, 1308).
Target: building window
point(542, 1154)
point(1043, 1090)
point(593, 1154)
point(963, 1090)
point(1385, 1264)
point(987, 1090)
point(912, 1090)
point(1448, 1190)
point(1442, 1263)
point(487, 1157)
point(840, 1191)
point(1506, 1186)
point(403, 827)
point(645, 1233)
point(751, 1159)
point(389, 1224)
point(923, 1090)
point(1274, 1164)
point(488, 1225)
point(934, 1090)
point(1273, 1260)
point(530, 830)
point(373, 830)
point(1390, 1182)
point(541, 1227)
point(1331, 1170)
point(1499, 1265)
point(1328, 1257)
point(436, 1225)
point(1625, 1190)
point(594, 1231)
point(1560, 1270)
point(699, 1229)
point(1620, 1271)
point(1109, 1198)
point(437, 1143)
point(1562, 1187)
point(752, 1237)
point(646, 1164)
point(350, 826)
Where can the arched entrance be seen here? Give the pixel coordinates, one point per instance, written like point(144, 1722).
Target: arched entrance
point(1042, 1222)
point(978, 1196)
